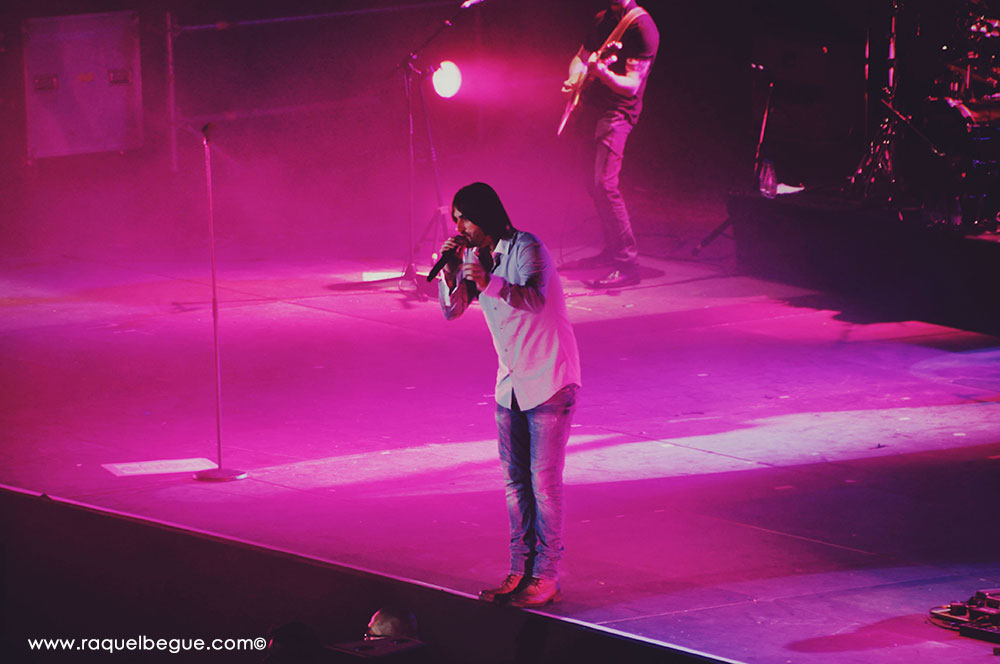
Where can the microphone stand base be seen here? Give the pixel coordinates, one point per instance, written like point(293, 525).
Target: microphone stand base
point(220, 475)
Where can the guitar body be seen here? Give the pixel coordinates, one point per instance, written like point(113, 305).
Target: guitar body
point(607, 55)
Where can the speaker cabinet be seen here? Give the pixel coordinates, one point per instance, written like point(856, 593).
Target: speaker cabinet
point(83, 84)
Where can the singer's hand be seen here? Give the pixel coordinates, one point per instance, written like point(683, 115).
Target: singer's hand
point(452, 244)
point(455, 245)
point(475, 272)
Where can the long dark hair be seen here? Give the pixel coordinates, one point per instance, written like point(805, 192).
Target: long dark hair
point(479, 203)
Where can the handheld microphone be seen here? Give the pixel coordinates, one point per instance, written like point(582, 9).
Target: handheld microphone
point(448, 256)
point(470, 3)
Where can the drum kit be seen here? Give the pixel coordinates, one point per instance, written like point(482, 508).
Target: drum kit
point(936, 156)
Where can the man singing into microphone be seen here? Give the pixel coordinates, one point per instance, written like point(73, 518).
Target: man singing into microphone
point(513, 277)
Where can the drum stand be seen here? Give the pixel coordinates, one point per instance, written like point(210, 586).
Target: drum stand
point(877, 165)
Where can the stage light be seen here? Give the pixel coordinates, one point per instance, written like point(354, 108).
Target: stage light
point(447, 79)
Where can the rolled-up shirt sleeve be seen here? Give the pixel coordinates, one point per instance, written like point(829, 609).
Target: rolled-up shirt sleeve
point(530, 296)
point(453, 302)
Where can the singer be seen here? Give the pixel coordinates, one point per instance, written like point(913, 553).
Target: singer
point(612, 85)
point(513, 277)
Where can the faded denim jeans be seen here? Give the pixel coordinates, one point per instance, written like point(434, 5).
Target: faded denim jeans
point(532, 446)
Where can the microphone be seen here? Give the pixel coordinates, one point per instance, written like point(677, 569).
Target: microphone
point(451, 254)
point(470, 3)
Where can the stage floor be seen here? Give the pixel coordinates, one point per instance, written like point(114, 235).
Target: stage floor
point(751, 474)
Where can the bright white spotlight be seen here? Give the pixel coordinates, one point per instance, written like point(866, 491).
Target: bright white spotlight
point(447, 79)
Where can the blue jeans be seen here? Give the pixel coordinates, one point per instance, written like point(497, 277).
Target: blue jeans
point(532, 447)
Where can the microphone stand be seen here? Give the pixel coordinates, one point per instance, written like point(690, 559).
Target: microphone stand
point(412, 76)
point(721, 228)
point(218, 474)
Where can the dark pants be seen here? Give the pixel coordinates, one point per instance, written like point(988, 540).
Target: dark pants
point(606, 151)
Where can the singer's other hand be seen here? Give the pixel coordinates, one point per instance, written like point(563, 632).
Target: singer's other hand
point(475, 272)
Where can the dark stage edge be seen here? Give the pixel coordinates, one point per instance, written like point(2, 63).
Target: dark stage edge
point(884, 266)
point(72, 570)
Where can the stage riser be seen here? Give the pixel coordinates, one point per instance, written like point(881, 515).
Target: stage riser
point(904, 268)
point(73, 572)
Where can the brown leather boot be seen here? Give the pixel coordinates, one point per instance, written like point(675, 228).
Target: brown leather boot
point(506, 587)
point(537, 592)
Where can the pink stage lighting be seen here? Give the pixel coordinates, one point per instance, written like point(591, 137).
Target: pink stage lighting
point(447, 79)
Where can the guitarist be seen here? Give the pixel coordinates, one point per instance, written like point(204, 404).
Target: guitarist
point(610, 104)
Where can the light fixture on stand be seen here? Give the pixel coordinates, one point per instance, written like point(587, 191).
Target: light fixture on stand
point(447, 80)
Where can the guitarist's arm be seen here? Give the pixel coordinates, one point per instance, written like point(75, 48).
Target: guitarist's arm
point(627, 84)
point(577, 70)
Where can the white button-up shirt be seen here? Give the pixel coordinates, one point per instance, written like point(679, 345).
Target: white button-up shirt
point(525, 310)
